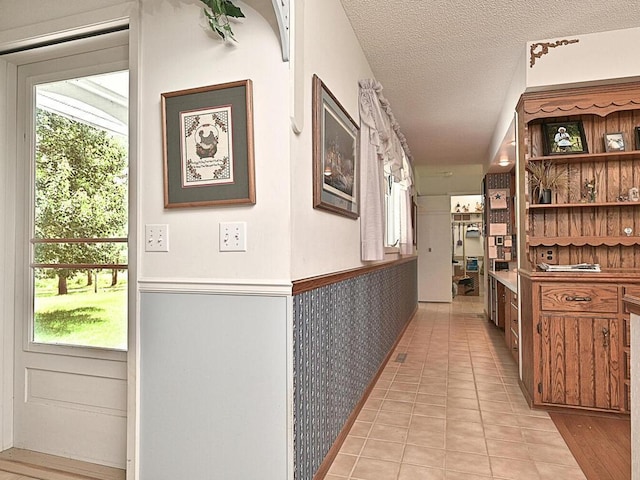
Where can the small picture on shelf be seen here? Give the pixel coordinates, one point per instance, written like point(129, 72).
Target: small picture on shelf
point(564, 138)
point(614, 142)
point(637, 130)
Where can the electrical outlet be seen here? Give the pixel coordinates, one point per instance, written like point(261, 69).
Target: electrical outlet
point(548, 254)
point(156, 238)
point(233, 237)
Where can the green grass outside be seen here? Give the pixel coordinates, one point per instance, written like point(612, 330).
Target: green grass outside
point(82, 317)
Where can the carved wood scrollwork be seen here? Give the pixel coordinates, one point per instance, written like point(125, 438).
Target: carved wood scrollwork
point(537, 50)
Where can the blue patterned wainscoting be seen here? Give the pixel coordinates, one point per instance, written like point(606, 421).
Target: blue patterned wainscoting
point(342, 334)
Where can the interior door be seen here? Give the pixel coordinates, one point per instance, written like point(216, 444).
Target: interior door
point(70, 377)
point(434, 249)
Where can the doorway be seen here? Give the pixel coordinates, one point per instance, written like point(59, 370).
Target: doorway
point(467, 245)
point(70, 342)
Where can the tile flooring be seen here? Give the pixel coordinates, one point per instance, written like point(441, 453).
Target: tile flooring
point(452, 410)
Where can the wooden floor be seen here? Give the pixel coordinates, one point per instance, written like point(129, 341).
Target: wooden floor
point(600, 444)
point(16, 464)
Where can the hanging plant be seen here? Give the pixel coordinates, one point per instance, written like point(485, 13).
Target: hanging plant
point(218, 13)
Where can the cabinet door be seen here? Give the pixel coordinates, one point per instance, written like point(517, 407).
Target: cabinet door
point(580, 363)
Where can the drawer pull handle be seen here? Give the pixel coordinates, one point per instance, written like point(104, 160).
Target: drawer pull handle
point(605, 337)
point(578, 299)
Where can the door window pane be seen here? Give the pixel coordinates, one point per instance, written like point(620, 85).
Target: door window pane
point(79, 249)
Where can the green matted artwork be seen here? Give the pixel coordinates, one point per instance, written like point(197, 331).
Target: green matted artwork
point(208, 146)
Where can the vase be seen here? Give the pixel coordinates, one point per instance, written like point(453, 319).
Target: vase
point(545, 196)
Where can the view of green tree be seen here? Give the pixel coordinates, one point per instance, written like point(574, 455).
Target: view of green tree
point(81, 183)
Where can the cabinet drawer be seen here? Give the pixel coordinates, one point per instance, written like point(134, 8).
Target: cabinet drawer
point(631, 290)
point(577, 298)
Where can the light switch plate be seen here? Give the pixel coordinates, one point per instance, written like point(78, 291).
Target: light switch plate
point(156, 238)
point(233, 236)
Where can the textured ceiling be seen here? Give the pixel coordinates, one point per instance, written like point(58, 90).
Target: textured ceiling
point(446, 66)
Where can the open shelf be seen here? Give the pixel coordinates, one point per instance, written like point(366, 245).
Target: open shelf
point(589, 157)
point(540, 206)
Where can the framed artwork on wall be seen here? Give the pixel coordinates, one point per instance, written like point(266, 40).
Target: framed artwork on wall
point(336, 160)
point(564, 138)
point(207, 135)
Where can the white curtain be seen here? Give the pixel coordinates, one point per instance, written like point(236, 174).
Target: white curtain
point(381, 143)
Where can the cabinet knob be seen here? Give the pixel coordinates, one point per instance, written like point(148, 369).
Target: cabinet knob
point(570, 298)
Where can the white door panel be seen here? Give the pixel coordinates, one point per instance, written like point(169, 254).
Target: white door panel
point(68, 401)
point(434, 257)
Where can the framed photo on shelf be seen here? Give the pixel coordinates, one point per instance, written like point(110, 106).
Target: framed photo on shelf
point(207, 135)
point(564, 138)
point(637, 132)
point(498, 199)
point(335, 154)
point(614, 142)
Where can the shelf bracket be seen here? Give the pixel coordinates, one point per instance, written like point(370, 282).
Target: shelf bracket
point(282, 10)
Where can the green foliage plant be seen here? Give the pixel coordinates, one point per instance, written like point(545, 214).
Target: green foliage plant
point(218, 13)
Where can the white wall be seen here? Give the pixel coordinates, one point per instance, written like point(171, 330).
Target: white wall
point(178, 53)
point(596, 57)
point(323, 242)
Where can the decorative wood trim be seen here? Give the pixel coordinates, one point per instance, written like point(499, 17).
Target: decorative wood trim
point(342, 436)
point(598, 100)
point(544, 47)
point(311, 283)
point(584, 241)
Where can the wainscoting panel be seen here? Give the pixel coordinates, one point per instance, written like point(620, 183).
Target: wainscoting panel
point(213, 386)
point(342, 333)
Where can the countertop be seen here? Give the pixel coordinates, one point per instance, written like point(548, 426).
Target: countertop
point(509, 278)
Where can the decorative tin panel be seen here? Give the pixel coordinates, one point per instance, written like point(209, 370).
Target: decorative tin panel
point(342, 333)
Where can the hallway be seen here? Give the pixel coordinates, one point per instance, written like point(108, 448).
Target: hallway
point(451, 409)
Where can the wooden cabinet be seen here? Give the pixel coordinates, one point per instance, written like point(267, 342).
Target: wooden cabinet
point(574, 340)
point(579, 361)
point(514, 331)
point(576, 349)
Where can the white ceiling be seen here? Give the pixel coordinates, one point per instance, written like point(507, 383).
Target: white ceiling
point(446, 66)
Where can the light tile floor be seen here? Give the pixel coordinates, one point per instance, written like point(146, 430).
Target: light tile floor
point(452, 410)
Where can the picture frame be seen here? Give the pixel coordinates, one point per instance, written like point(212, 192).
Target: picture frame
point(336, 162)
point(614, 142)
point(208, 150)
point(498, 199)
point(637, 132)
point(564, 138)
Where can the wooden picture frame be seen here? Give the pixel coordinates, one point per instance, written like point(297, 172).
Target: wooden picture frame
point(614, 142)
point(336, 161)
point(564, 138)
point(207, 136)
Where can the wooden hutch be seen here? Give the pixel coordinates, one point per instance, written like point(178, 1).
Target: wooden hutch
point(574, 328)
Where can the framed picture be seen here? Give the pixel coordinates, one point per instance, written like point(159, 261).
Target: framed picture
point(614, 142)
point(498, 199)
point(564, 138)
point(335, 154)
point(207, 135)
point(637, 131)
